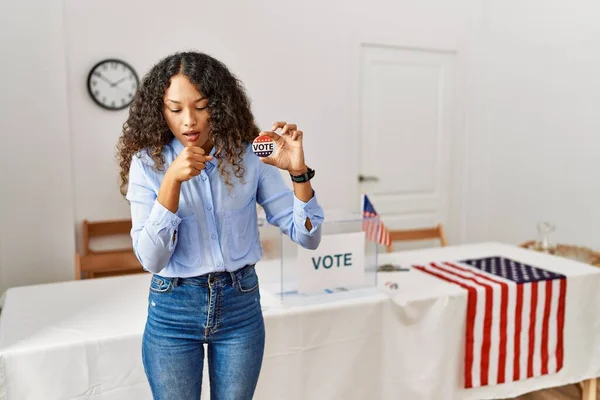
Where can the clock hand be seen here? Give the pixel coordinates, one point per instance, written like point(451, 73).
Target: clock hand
point(117, 82)
point(99, 75)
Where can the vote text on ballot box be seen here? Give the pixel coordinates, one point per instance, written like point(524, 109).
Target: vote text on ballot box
point(344, 264)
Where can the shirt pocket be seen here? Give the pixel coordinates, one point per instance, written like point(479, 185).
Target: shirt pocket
point(188, 251)
point(242, 230)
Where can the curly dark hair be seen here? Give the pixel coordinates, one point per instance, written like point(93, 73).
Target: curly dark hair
point(231, 121)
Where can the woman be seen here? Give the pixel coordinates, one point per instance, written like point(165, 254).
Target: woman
point(192, 180)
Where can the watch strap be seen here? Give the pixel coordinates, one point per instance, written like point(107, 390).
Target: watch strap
point(305, 177)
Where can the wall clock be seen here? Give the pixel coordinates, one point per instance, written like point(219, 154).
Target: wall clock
point(112, 84)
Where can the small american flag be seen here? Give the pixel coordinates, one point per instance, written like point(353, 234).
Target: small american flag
point(372, 225)
point(514, 320)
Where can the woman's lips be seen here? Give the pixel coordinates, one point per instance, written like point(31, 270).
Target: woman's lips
point(192, 136)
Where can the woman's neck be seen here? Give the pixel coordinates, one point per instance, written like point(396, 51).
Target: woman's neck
point(208, 146)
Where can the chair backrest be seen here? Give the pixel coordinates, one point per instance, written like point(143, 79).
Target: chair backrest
point(436, 232)
point(91, 263)
point(113, 263)
point(96, 229)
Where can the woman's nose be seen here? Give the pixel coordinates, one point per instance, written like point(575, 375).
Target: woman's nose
point(189, 119)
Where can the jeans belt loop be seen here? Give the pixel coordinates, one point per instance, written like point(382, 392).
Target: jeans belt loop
point(233, 278)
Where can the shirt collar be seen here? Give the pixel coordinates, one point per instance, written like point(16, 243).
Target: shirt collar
point(177, 147)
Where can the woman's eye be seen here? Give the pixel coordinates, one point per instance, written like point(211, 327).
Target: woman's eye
point(197, 108)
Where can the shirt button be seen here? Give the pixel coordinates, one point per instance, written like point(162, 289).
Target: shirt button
point(220, 264)
point(174, 223)
point(203, 178)
point(213, 236)
point(209, 207)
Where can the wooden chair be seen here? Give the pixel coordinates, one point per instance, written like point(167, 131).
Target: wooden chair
point(97, 229)
point(101, 263)
point(436, 232)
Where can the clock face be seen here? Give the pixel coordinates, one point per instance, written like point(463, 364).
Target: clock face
point(112, 84)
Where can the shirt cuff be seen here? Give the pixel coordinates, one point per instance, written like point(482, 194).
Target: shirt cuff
point(311, 210)
point(161, 218)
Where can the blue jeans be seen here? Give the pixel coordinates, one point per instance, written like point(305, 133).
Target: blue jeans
point(220, 309)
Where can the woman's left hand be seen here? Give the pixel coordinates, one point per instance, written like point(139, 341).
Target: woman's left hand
point(289, 154)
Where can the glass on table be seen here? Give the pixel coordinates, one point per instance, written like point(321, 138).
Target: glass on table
point(545, 241)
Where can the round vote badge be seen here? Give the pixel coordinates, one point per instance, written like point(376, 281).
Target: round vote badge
point(263, 146)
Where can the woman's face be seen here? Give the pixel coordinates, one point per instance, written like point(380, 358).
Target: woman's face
point(186, 112)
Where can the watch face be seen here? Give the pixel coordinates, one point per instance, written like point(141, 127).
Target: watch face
point(112, 84)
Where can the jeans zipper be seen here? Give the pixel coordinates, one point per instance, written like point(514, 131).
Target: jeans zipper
point(210, 303)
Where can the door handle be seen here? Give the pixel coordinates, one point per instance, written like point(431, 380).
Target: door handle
point(363, 178)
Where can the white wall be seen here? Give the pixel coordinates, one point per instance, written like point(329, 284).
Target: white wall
point(299, 61)
point(529, 71)
point(36, 200)
point(537, 124)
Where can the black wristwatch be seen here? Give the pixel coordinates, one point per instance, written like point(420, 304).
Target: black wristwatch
point(305, 177)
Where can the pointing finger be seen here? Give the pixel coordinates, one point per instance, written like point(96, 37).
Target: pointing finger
point(272, 135)
point(277, 125)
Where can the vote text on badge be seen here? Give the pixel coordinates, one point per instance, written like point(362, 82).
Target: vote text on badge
point(263, 146)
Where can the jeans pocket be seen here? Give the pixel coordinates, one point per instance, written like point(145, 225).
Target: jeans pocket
point(188, 250)
point(248, 282)
point(158, 284)
point(242, 230)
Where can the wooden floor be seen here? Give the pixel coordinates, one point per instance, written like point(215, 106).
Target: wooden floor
point(569, 392)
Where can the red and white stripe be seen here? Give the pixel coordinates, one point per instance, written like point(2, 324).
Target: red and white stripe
point(375, 229)
point(513, 331)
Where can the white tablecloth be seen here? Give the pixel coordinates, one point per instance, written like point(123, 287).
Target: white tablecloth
point(82, 340)
point(424, 327)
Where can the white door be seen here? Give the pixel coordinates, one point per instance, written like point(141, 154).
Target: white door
point(407, 133)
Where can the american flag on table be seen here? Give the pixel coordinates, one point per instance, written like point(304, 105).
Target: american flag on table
point(515, 318)
point(373, 227)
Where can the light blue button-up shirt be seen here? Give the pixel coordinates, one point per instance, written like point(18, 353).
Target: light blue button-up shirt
point(215, 227)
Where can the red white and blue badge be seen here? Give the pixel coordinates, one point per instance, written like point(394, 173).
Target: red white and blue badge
point(263, 146)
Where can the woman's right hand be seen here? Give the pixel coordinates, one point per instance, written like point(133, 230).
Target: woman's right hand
point(189, 163)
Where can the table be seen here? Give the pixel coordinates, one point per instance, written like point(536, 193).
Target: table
point(82, 339)
point(425, 325)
